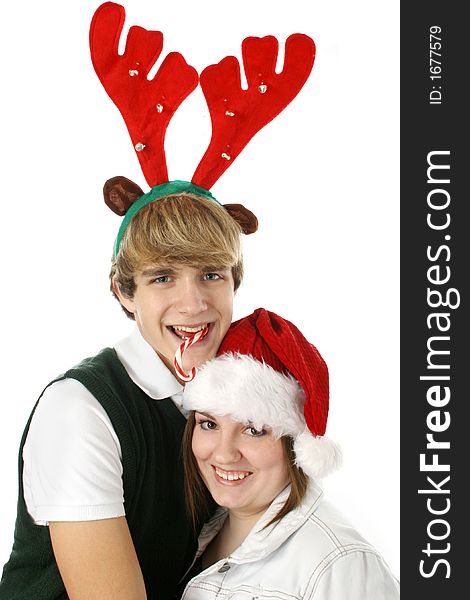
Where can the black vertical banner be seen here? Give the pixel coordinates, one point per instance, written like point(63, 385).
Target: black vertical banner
point(435, 268)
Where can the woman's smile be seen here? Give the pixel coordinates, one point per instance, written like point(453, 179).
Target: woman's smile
point(230, 477)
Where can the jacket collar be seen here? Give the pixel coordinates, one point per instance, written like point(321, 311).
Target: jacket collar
point(262, 541)
point(145, 367)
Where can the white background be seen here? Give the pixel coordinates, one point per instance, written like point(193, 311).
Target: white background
point(322, 179)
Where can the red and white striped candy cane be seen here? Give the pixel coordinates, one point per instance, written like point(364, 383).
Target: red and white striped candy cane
point(178, 360)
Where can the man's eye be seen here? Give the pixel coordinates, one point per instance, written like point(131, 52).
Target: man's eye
point(161, 279)
point(212, 276)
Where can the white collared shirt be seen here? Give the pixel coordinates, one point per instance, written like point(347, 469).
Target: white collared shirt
point(72, 456)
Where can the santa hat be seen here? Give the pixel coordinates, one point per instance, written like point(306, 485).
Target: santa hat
point(266, 373)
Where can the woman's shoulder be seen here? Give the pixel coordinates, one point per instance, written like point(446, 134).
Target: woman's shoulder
point(336, 556)
point(328, 523)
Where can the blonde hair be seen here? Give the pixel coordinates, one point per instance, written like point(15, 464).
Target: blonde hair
point(196, 492)
point(182, 229)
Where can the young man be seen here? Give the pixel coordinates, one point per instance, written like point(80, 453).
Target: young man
point(101, 509)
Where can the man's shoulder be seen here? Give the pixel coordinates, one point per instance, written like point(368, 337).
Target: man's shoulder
point(99, 372)
point(105, 358)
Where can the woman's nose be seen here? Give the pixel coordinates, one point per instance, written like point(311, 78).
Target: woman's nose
point(227, 451)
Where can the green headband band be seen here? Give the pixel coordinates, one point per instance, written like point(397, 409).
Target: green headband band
point(164, 189)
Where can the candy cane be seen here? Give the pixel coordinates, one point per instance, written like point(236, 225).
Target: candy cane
point(178, 360)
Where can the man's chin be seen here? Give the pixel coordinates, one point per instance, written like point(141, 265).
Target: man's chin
point(197, 359)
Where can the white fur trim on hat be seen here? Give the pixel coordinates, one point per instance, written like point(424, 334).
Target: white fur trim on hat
point(253, 392)
point(316, 456)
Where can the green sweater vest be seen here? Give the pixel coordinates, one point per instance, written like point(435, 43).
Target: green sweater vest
point(150, 433)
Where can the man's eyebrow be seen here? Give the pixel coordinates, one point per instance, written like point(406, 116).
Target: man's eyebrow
point(158, 270)
point(213, 268)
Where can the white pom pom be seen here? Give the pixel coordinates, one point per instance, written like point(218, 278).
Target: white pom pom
point(316, 456)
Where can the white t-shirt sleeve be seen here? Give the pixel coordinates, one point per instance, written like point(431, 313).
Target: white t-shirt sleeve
point(72, 458)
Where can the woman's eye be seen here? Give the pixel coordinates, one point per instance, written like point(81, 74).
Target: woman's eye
point(207, 425)
point(255, 432)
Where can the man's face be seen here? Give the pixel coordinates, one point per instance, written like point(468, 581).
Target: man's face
point(171, 303)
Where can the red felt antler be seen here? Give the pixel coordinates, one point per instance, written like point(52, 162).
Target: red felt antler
point(146, 105)
point(237, 114)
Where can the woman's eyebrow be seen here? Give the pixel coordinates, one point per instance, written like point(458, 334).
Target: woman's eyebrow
point(205, 415)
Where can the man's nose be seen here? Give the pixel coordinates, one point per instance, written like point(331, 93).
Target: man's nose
point(192, 298)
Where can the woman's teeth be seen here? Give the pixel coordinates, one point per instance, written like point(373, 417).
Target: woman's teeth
point(232, 475)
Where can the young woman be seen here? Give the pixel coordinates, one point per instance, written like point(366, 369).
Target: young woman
point(255, 440)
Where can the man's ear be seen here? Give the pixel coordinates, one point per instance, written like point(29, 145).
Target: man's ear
point(127, 302)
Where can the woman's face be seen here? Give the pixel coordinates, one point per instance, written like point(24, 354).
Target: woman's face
point(243, 468)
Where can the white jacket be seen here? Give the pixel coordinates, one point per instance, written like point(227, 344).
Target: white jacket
point(312, 553)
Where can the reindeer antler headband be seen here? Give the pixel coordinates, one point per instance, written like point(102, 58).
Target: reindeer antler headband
point(147, 106)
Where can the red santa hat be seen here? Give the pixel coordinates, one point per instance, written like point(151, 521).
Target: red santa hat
point(266, 373)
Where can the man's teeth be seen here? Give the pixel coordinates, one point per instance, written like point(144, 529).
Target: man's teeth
point(185, 329)
point(233, 475)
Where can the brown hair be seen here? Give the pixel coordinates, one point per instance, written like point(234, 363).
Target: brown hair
point(195, 488)
point(179, 229)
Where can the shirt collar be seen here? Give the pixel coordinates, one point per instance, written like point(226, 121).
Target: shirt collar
point(146, 368)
